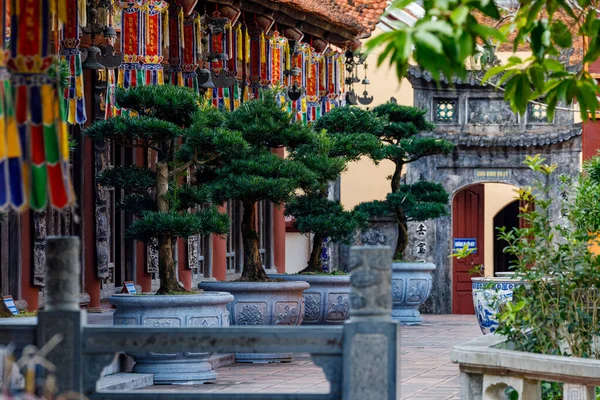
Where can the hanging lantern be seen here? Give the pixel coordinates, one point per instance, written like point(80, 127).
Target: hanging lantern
point(43, 146)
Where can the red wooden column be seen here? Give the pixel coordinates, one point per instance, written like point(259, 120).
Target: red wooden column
point(219, 254)
point(88, 196)
point(279, 232)
point(29, 292)
point(185, 274)
point(590, 141)
point(142, 278)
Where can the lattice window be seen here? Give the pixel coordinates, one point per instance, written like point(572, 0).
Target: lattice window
point(264, 233)
point(233, 238)
point(538, 113)
point(446, 111)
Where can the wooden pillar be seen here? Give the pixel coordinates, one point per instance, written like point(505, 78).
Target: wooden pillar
point(185, 274)
point(88, 196)
point(279, 232)
point(219, 254)
point(142, 277)
point(29, 292)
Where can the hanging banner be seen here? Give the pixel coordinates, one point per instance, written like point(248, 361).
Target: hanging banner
point(43, 136)
point(132, 28)
point(69, 52)
point(176, 44)
point(192, 39)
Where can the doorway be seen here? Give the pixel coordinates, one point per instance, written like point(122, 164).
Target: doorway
point(507, 217)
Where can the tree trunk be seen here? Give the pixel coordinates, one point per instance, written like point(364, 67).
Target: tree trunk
point(402, 234)
point(166, 264)
point(396, 177)
point(253, 268)
point(314, 262)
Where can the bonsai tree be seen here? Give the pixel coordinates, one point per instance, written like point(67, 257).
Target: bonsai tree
point(347, 133)
point(182, 134)
point(403, 144)
point(258, 174)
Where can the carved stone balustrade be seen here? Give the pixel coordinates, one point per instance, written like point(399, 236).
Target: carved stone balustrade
point(488, 367)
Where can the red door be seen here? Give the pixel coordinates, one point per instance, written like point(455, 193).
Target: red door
point(467, 223)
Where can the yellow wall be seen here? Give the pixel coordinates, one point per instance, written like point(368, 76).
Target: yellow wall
point(497, 196)
point(297, 252)
point(364, 181)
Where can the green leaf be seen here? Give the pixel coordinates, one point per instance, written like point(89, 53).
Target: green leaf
point(430, 41)
point(561, 35)
point(459, 15)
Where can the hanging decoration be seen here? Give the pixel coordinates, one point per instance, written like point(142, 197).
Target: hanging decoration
point(69, 52)
point(153, 36)
point(42, 150)
point(175, 35)
point(12, 191)
point(132, 43)
point(192, 38)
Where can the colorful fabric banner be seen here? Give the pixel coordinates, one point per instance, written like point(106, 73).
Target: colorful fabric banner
point(43, 145)
point(69, 52)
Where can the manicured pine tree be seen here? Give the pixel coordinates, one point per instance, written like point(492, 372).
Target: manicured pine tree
point(347, 133)
point(258, 174)
point(403, 144)
point(183, 134)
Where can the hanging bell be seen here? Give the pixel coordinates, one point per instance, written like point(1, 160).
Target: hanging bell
point(355, 79)
point(295, 71)
point(352, 98)
point(91, 62)
point(110, 32)
point(205, 79)
point(213, 57)
point(223, 57)
point(366, 81)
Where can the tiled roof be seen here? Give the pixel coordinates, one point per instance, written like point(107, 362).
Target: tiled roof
point(575, 58)
point(522, 139)
point(357, 16)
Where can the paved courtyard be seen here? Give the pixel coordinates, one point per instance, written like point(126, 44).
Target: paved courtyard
point(426, 370)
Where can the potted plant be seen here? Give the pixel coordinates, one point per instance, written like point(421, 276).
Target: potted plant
point(255, 175)
point(181, 134)
point(346, 135)
point(418, 201)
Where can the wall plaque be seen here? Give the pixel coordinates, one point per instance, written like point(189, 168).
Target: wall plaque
point(492, 174)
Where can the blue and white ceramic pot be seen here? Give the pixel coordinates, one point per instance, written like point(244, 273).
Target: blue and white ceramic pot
point(489, 295)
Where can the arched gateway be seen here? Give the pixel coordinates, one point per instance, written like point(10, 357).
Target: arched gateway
point(480, 175)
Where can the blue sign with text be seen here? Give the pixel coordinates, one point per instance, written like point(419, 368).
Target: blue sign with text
point(460, 243)
point(10, 304)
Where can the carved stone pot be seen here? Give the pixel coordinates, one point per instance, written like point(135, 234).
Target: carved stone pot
point(411, 286)
point(327, 301)
point(171, 311)
point(263, 303)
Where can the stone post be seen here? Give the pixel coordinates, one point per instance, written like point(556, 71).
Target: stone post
point(371, 338)
point(62, 314)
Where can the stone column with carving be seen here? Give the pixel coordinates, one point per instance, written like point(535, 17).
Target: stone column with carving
point(62, 314)
point(371, 338)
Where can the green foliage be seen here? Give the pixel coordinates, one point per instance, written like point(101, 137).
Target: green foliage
point(153, 223)
point(375, 208)
point(260, 175)
point(420, 201)
point(445, 38)
point(328, 218)
point(175, 104)
point(136, 203)
point(555, 311)
point(134, 179)
point(143, 131)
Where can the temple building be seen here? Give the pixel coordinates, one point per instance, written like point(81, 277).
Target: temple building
point(225, 50)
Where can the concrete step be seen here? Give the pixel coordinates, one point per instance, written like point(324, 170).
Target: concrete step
point(124, 382)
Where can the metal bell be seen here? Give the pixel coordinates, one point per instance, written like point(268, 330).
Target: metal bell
point(295, 71)
point(110, 32)
point(223, 57)
point(91, 62)
point(366, 81)
point(205, 79)
point(213, 57)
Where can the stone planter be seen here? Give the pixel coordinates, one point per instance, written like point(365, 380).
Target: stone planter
point(327, 301)
point(263, 303)
point(489, 295)
point(192, 310)
point(411, 286)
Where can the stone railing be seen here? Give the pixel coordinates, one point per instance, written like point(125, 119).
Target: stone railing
point(360, 359)
point(488, 368)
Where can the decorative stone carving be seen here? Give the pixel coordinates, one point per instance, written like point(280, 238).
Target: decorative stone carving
point(411, 285)
point(39, 249)
point(152, 263)
point(367, 379)
point(287, 313)
point(63, 263)
point(417, 289)
point(371, 278)
point(338, 307)
point(251, 314)
point(372, 237)
point(490, 111)
point(312, 306)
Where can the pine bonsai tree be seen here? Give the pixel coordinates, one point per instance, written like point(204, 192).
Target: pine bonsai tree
point(403, 144)
point(182, 134)
point(258, 174)
point(347, 133)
